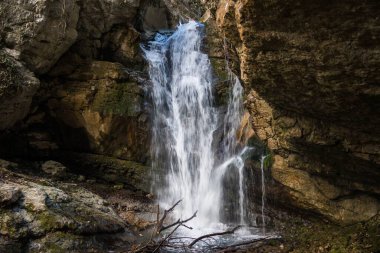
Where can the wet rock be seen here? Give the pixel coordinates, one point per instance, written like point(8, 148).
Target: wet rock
point(54, 168)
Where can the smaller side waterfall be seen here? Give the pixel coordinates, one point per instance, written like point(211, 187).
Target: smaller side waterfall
point(262, 160)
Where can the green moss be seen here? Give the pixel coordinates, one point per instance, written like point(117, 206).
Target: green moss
point(60, 242)
point(9, 76)
point(8, 224)
point(219, 68)
point(119, 99)
point(12, 224)
point(268, 160)
point(48, 221)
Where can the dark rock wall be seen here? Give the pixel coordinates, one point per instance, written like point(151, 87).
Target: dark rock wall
point(310, 71)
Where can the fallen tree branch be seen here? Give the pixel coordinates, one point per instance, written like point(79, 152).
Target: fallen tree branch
point(166, 212)
point(167, 237)
point(237, 245)
point(213, 234)
point(180, 222)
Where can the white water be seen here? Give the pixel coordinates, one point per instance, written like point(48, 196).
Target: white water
point(184, 123)
point(262, 192)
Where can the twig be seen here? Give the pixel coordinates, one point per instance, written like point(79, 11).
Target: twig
point(180, 222)
point(166, 212)
point(213, 234)
point(158, 214)
point(159, 245)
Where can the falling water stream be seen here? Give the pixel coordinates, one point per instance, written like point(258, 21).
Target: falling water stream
point(190, 163)
point(262, 160)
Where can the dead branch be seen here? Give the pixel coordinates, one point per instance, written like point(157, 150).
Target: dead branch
point(158, 214)
point(214, 234)
point(180, 223)
point(166, 212)
point(238, 245)
point(159, 228)
point(166, 238)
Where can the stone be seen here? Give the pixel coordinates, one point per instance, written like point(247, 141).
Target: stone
point(17, 87)
point(54, 168)
point(7, 165)
point(47, 210)
point(40, 31)
point(9, 194)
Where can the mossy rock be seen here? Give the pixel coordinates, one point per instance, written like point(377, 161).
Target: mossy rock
point(123, 99)
point(9, 75)
point(61, 242)
point(221, 79)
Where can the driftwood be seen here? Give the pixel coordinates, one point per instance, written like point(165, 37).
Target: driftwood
point(213, 234)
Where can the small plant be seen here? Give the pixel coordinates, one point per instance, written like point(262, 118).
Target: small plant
point(268, 160)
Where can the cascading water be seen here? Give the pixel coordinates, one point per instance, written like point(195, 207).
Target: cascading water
point(262, 160)
point(184, 124)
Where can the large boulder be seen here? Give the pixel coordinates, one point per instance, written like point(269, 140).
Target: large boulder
point(17, 87)
point(36, 213)
point(39, 31)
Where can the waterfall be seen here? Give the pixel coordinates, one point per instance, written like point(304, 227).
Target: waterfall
point(184, 125)
point(262, 191)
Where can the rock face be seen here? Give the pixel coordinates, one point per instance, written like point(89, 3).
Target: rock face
point(310, 75)
point(87, 56)
point(102, 107)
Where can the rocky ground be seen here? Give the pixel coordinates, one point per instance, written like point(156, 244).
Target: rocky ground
point(44, 207)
